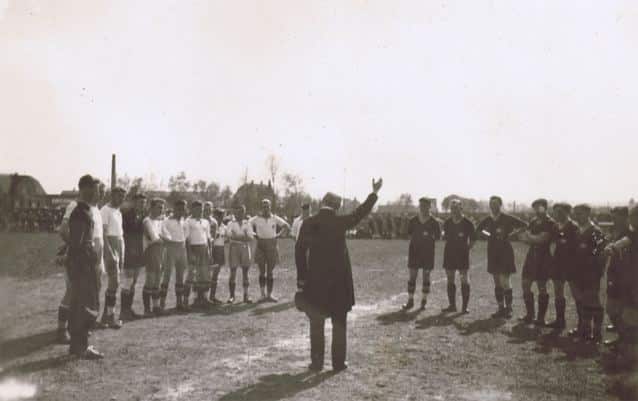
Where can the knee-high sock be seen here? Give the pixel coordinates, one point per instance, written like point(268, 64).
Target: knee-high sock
point(509, 298)
point(451, 294)
point(465, 294)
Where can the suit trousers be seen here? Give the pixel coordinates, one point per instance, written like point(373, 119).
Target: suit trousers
point(318, 340)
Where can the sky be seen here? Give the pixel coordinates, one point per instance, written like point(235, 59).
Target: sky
point(524, 99)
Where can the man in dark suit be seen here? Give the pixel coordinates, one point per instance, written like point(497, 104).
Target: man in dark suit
point(324, 274)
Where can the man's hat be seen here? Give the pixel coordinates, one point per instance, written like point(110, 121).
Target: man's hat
point(583, 207)
point(496, 199)
point(87, 180)
point(562, 205)
point(156, 201)
point(620, 211)
point(539, 202)
point(331, 200)
point(118, 189)
point(425, 200)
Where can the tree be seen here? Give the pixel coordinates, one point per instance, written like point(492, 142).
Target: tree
point(225, 197)
point(272, 165)
point(200, 186)
point(179, 183)
point(405, 199)
point(469, 204)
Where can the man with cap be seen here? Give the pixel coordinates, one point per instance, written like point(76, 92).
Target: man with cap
point(267, 227)
point(424, 230)
point(218, 254)
point(152, 244)
point(240, 234)
point(562, 267)
point(296, 224)
point(133, 227)
point(174, 241)
point(586, 285)
point(324, 274)
point(113, 254)
point(499, 228)
point(460, 236)
point(198, 239)
point(538, 261)
point(83, 268)
point(618, 263)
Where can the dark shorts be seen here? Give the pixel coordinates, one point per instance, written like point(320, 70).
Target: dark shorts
point(455, 258)
point(420, 256)
point(219, 256)
point(500, 258)
point(537, 266)
point(133, 253)
point(267, 252)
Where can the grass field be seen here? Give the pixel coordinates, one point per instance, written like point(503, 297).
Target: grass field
point(260, 352)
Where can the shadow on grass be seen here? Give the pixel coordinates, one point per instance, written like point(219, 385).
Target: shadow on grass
point(522, 333)
point(398, 316)
point(277, 387)
point(273, 309)
point(480, 326)
point(19, 347)
point(572, 349)
point(439, 320)
point(227, 309)
point(37, 366)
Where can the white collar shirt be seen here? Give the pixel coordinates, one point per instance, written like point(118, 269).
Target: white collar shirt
point(266, 227)
point(173, 230)
point(112, 221)
point(197, 231)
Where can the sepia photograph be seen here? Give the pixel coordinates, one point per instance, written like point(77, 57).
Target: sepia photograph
point(318, 200)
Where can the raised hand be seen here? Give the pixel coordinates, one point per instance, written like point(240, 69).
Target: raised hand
point(376, 185)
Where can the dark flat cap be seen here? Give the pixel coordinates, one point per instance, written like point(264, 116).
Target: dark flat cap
point(118, 189)
point(87, 180)
point(540, 202)
point(583, 207)
point(563, 205)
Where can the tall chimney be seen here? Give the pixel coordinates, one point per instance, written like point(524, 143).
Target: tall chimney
point(113, 172)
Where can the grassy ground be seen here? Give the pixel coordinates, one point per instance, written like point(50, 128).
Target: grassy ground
point(260, 352)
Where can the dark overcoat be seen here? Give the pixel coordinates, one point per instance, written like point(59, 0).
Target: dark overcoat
point(323, 262)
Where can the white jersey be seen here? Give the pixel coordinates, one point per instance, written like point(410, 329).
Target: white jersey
point(152, 230)
point(112, 220)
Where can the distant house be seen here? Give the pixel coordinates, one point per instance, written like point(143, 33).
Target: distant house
point(21, 191)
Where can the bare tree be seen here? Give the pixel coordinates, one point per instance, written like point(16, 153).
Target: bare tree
point(272, 165)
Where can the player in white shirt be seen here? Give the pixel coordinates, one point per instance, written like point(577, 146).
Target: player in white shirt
point(296, 224)
point(217, 253)
point(174, 236)
point(113, 254)
point(240, 234)
point(197, 247)
point(152, 244)
point(268, 227)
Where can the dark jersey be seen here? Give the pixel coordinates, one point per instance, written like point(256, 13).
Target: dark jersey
point(133, 227)
point(458, 235)
point(588, 265)
point(422, 238)
point(538, 261)
point(566, 239)
point(500, 254)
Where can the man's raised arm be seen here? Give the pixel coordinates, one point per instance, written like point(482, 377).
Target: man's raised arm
point(366, 207)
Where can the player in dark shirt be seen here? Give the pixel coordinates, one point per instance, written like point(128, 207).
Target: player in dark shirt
point(499, 228)
point(538, 262)
point(133, 227)
point(625, 291)
point(423, 231)
point(618, 263)
point(586, 285)
point(564, 239)
point(460, 236)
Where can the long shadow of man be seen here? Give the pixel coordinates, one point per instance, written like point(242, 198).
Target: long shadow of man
point(23, 346)
point(277, 387)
